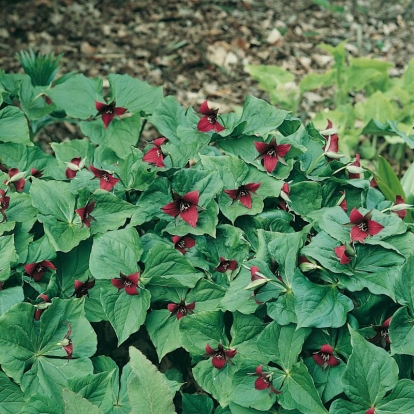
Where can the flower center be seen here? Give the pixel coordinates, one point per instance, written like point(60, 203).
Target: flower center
point(271, 152)
point(86, 215)
point(128, 283)
point(182, 309)
point(212, 118)
point(384, 333)
point(158, 153)
point(243, 192)
point(106, 178)
point(325, 356)
point(181, 244)
point(184, 205)
point(220, 354)
point(225, 265)
point(39, 268)
point(109, 110)
point(363, 226)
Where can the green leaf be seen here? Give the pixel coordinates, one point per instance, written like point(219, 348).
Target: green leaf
point(197, 404)
point(206, 294)
point(168, 267)
point(282, 344)
point(299, 392)
point(9, 297)
point(347, 407)
point(13, 126)
point(7, 257)
point(370, 372)
point(402, 333)
point(306, 197)
point(319, 306)
point(75, 403)
point(404, 284)
point(399, 401)
point(388, 181)
point(77, 96)
point(126, 312)
point(11, 396)
point(115, 252)
point(148, 391)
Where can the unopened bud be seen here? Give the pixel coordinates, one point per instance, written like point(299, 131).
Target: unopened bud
point(353, 169)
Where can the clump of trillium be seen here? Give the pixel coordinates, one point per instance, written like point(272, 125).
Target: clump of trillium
point(155, 155)
point(85, 214)
point(243, 193)
point(181, 309)
point(381, 336)
point(184, 206)
point(209, 121)
point(82, 288)
point(325, 357)
point(362, 226)
point(221, 356)
point(4, 204)
point(108, 111)
point(16, 179)
point(264, 381)
point(226, 264)
point(271, 153)
point(128, 283)
point(66, 342)
point(37, 270)
point(181, 243)
point(106, 180)
point(74, 166)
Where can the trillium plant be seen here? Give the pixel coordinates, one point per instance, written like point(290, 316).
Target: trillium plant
point(237, 263)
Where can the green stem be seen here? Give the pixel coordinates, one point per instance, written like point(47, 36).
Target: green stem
point(314, 164)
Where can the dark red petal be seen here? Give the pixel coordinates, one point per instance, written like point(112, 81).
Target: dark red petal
point(19, 184)
point(134, 278)
point(262, 147)
point(131, 290)
point(252, 187)
point(90, 206)
point(107, 119)
point(356, 217)
point(285, 188)
point(233, 265)
point(370, 411)
point(81, 212)
point(374, 227)
point(204, 109)
point(159, 141)
point(333, 361)
point(218, 127)
point(96, 171)
point(69, 350)
point(119, 110)
point(172, 307)
point(78, 284)
point(318, 359)
point(179, 315)
point(387, 322)
point(210, 350)
point(327, 349)
point(90, 284)
point(118, 283)
point(358, 235)
point(283, 149)
point(30, 268)
point(191, 197)
point(270, 163)
point(230, 353)
point(38, 314)
point(232, 193)
point(333, 145)
point(261, 384)
point(171, 209)
point(259, 370)
point(218, 363)
point(44, 297)
point(190, 216)
point(70, 173)
point(190, 306)
point(344, 205)
point(246, 200)
point(100, 106)
point(329, 126)
point(108, 185)
point(204, 125)
point(176, 239)
point(153, 157)
point(189, 242)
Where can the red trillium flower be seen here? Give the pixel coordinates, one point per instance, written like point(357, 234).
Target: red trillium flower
point(363, 226)
point(155, 155)
point(225, 265)
point(271, 153)
point(4, 204)
point(342, 254)
point(85, 214)
point(37, 270)
point(381, 336)
point(357, 164)
point(185, 207)
point(254, 274)
point(82, 288)
point(220, 355)
point(16, 178)
point(181, 309)
point(284, 194)
point(342, 202)
point(41, 306)
point(66, 342)
point(209, 121)
point(129, 283)
point(36, 173)
point(243, 193)
point(400, 211)
point(75, 165)
point(108, 111)
point(264, 381)
point(106, 180)
point(332, 139)
point(182, 243)
point(325, 357)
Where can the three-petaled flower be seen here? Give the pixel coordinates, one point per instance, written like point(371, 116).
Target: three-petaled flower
point(331, 147)
point(243, 193)
point(76, 164)
point(129, 283)
point(85, 214)
point(399, 207)
point(220, 355)
point(271, 153)
point(325, 357)
point(66, 342)
point(381, 334)
point(209, 121)
point(181, 243)
point(4, 204)
point(354, 168)
point(225, 265)
point(184, 206)
point(181, 309)
point(255, 275)
point(363, 226)
point(106, 180)
point(155, 155)
point(37, 270)
point(108, 111)
point(41, 305)
point(82, 288)
point(345, 253)
point(264, 381)
point(16, 178)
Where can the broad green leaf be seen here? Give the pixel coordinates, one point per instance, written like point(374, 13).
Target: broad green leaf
point(282, 344)
point(207, 295)
point(9, 297)
point(40, 403)
point(399, 401)
point(11, 396)
point(126, 312)
point(197, 404)
point(148, 391)
point(402, 333)
point(13, 126)
point(168, 267)
point(115, 252)
point(319, 306)
point(7, 257)
point(299, 392)
point(347, 407)
point(370, 372)
point(306, 197)
point(404, 284)
point(75, 403)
